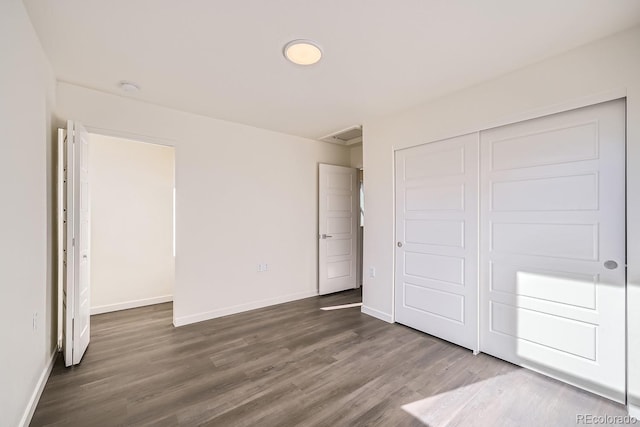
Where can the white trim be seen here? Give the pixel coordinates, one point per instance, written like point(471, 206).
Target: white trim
point(130, 304)
point(37, 392)
point(560, 107)
point(135, 137)
point(208, 315)
point(535, 113)
point(393, 242)
point(634, 411)
point(377, 314)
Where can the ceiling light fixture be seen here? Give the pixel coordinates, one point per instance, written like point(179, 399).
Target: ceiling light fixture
point(128, 86)
point(302, 52)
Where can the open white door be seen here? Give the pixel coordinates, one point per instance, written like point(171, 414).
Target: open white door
point(67, 241)
point(76, 288)
point(337, 217)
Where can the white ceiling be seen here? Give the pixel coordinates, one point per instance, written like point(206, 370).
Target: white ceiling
point(223, 58)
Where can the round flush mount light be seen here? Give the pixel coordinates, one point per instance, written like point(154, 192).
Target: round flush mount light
point(302, 52)
point(128, 86)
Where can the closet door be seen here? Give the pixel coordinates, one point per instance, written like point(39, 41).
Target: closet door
point(436, 228)
point(553, 246)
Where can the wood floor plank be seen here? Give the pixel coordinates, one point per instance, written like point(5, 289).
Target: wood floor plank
point(295, 365)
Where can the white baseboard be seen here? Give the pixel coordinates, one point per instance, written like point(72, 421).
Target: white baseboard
point(634, 411)
point(37, 392)
point(200, 317)
point(130, 304)
point(377, 314)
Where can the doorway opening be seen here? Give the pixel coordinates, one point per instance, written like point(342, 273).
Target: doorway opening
point(132, 223)
point(341, 228)
point(131, 199)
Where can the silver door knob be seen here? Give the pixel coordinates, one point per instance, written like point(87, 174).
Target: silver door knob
point(399, 244)
point(326, 236)
point(610, 264)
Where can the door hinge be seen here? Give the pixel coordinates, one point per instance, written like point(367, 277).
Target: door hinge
point(73, 241)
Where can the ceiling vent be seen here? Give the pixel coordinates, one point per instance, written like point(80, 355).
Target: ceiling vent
point(349, 136)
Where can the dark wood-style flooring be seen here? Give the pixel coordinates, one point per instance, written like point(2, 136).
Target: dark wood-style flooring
point(295, 365)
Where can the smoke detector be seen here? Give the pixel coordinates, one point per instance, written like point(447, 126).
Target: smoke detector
point(349, 136)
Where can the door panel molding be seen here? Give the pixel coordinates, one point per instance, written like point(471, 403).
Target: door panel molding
point(547, 301)
point(436, 280)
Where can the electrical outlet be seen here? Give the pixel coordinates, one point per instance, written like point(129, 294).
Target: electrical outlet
point(34, 323)
point(372, 272)
point(262, 267)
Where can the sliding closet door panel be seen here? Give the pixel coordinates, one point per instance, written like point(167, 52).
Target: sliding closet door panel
point(552, 250)
point(436, 229)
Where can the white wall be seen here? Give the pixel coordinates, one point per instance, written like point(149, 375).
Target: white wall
point(244, 196)
point(589, 74)
point(131, 223)
point(26, 243)
point(356, 156)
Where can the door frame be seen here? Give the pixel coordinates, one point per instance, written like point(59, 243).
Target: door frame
point(167, 142)
point(360, 234)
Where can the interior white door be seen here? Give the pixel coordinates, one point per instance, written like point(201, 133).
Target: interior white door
point(61, 231)
point(436, 279)
point(338, 224)
point(77, 251)
point(553, 246)
point(67, 253)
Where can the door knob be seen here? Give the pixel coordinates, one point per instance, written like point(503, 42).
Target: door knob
point(326, 236)
point(610, 264)
point(399, 244)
